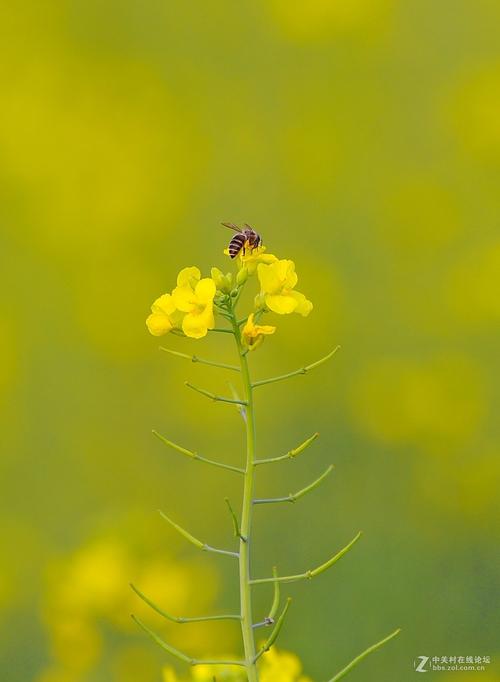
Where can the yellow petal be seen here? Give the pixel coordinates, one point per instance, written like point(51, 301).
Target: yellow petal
point(291, 276)
point(184, 298)
point(188, 276)
point(193, 326)
point(197, 324)
point(268, 275)
point(249, 325)
point(164, 304)
point(205, 290)
point(265, 329)
point(283, 305)
point(304, 306)
point(267, 258)
point(158, 324)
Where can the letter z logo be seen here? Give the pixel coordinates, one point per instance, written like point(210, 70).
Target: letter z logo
point(420, 668)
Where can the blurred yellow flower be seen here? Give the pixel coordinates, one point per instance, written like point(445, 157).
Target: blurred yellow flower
point(253, 334)
point(163, 316)
point(194, 296)
point(281, 666)
point(432, 403)
point(75, 643)
point(319, 19)
point(277, 282)
point(275, 666)
point(250, 258)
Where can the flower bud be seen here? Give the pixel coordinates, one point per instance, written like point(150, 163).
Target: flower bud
point(242, 276)
point(222, 282)
point(217, 277)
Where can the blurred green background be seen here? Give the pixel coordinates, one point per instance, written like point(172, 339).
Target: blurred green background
point(362, 139)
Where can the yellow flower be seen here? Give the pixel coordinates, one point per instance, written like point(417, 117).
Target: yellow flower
point(281, 666)
point(277, 282)
point(252, 257)
point(253, 334)
point(195, 296)
point(163, 316)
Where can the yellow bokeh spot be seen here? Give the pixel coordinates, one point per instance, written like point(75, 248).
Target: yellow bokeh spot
point(472, 288)
point(92, 581)
point(474, 113)
point(471, 486)
point(75, 643)
point(428, 402)
point(318, 19)
point(419, 215)
point(113, 159)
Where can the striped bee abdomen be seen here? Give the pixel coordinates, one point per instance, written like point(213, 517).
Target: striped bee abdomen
point(236, 244)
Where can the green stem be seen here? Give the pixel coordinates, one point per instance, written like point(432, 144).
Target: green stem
point(365, 653)
point(293, 497)
point(195, 358)
point(312, 573)
point(246, 516)
point(302, 370)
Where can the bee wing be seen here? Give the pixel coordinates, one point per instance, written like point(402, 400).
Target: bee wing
point(249, 227)
point(232, 226)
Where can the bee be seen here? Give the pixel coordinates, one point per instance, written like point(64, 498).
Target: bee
point(244, 235)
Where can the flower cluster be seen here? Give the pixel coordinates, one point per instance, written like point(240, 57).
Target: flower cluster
point(190, 308)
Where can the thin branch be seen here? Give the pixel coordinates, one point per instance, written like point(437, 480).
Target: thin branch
point(274, 634)
point(176, 619)
point(222, 330)
point(293, 497)
point(197, 543)
point(195, 358)
point(311, 573)
point(276, 597)
point(179, 654)
point(302, 370)
point(365, 653)
point(269, 620)
point(212, 396)
point(167, 647)
point(237, 531)
point(291, 454)
point(195, 455)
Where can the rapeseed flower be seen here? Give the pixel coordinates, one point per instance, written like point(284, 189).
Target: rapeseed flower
point(277, 289)
point(195, 297)
point(189, 307)
point(253, 334)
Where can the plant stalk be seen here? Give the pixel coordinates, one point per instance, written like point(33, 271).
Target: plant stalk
point(246, 515)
